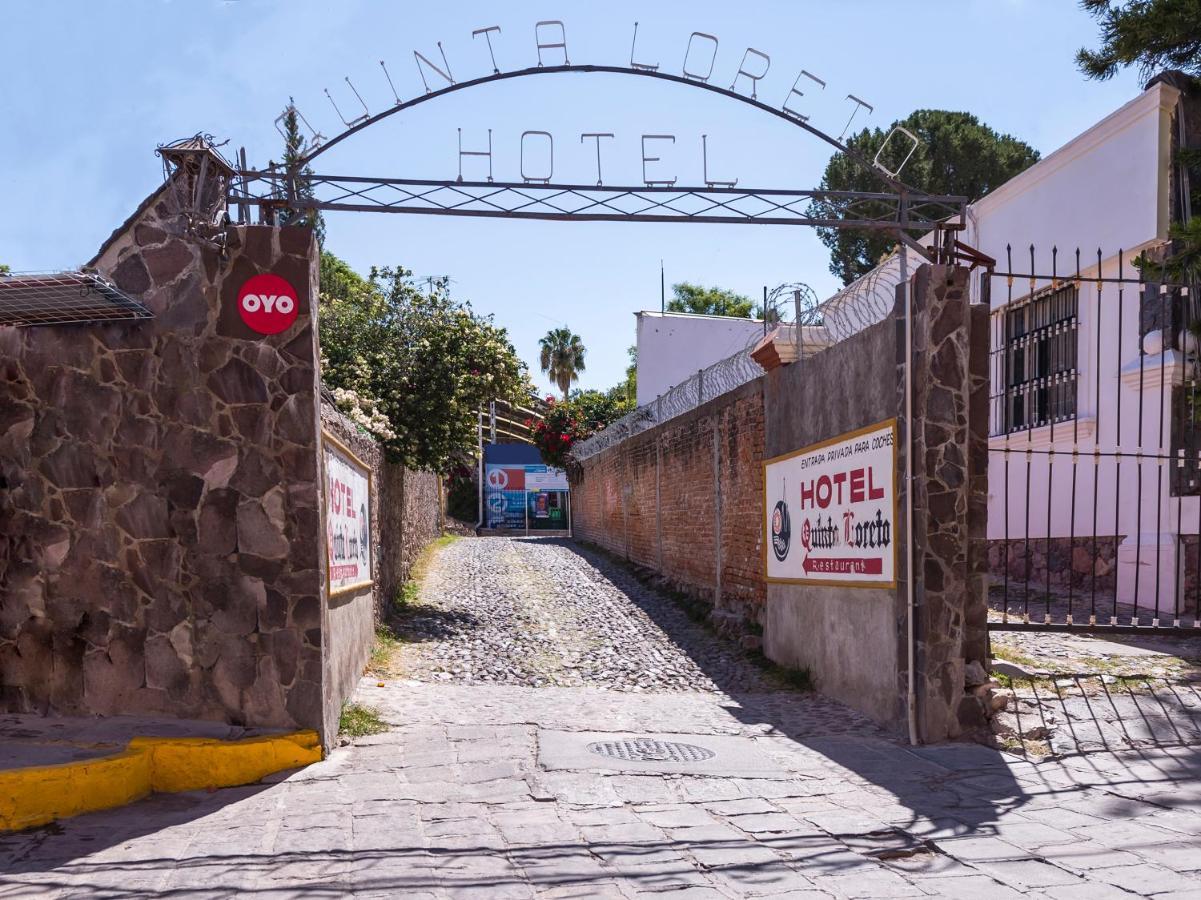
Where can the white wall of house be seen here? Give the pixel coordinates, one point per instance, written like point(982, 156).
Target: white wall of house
point(672, 347)
point(1107, 189)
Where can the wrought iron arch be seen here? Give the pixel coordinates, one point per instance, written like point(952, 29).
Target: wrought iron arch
point(897, 207)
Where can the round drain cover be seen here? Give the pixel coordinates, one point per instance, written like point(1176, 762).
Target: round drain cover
point(647, 750)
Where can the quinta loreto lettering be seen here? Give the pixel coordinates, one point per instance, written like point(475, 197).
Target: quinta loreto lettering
point(697, 59)
point(842, 495)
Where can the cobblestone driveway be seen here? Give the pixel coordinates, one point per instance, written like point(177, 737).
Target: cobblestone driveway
point(472, 794)
point(540, 612)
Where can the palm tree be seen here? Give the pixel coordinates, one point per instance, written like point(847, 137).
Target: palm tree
point(562, 357)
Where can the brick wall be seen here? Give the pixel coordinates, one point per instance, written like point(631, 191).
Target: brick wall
point(657, 498)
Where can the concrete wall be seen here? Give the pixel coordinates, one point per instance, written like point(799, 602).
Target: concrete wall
point(160, 536)
point(852, 640)
point(406, 514)
point(351, 616)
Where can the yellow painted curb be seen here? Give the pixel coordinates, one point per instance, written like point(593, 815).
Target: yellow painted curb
point(36, 795)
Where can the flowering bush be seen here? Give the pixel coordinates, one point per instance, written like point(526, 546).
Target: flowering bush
point(567, 422)
point(412, 366)
point(562, 427)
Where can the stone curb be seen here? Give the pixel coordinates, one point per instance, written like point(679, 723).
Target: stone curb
point(38, 795)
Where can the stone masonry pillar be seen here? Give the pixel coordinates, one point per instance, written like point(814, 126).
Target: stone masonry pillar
point(950, 490)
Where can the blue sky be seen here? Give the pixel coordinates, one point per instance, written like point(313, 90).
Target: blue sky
point(91, 87)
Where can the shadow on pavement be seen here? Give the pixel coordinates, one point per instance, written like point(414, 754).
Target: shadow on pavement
point(862, 806)
point(955, 790)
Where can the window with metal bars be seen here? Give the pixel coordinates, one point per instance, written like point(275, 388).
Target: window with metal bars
point(1039, 359)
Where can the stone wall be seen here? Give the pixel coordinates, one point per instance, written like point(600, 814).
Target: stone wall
point(405, 516)
point(161, 545)
point(160, 548)
point(421, 510)
point(1077, 564)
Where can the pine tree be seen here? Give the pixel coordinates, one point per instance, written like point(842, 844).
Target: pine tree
point(1152, 34)
point(293, 153)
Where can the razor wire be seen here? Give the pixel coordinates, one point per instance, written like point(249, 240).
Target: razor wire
point(862, 303)
point(816, 326)
point(707, 384)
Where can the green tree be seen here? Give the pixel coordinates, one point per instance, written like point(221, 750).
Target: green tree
point(293, 151)
point(412, 366)
point(562, 357)
point(1152, 34)
point(627, 389)
point(599, 409)
point(956, 154)
point(709, 301)
point(4, 270)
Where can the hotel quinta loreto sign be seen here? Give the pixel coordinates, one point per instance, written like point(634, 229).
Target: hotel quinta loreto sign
point(831, 511)
point(347, 517)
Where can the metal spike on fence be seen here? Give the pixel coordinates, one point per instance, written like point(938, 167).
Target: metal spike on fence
point(390, 84)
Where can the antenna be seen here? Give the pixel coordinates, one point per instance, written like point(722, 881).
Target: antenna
point(662, 290)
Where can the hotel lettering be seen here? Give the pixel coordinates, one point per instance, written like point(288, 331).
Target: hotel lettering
point(831, 511)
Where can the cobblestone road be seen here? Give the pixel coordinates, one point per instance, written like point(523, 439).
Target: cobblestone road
point(542, 612)
point(497, 791)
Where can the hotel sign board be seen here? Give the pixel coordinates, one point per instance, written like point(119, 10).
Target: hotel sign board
point(347, 518)
point(831, 511)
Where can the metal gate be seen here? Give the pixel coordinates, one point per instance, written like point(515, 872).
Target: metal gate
point(1094, 507)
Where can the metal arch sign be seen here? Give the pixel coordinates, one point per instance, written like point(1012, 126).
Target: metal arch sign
point(550, 35)
point(896, 207)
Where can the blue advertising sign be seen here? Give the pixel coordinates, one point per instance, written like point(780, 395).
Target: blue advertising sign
point(505, 509)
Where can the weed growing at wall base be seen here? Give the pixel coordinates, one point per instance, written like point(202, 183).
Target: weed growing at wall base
point(359, 721)
point(410, 591)
point(386, 643)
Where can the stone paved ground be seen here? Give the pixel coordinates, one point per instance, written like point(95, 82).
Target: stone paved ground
point(543, 612)
point(1088, 693)
point(491, 791)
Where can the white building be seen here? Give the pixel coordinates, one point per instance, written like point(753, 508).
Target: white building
point(674, 346)
point(1069, 359)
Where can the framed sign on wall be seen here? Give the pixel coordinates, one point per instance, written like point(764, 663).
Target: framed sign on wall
point(831, 511)
point(347, 509)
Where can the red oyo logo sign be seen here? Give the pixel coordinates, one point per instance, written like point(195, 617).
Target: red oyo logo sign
point(268, 304)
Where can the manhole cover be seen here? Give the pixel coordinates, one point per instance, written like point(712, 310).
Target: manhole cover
point(647, 750)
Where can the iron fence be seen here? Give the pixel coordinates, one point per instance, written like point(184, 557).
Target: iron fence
point(1094, 507)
